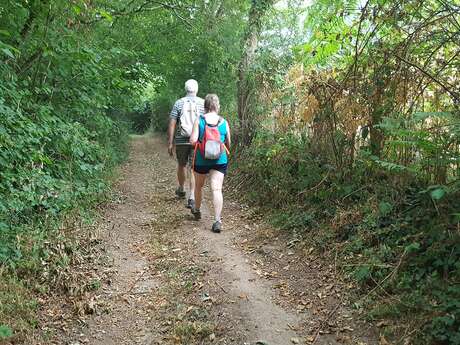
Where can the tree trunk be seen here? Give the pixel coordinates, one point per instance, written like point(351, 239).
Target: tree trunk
point(258, 9)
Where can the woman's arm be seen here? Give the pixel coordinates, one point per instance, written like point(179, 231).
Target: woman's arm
point(195, 132)
point(228, 139)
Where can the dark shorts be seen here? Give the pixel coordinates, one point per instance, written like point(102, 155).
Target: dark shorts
point(184, 154)
point(204, 169)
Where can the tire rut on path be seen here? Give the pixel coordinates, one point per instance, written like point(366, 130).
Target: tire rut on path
point(123, 229)
point(252, 298)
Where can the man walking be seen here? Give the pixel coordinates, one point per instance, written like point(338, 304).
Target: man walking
point(183, 115)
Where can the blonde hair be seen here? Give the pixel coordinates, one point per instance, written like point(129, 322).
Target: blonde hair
point(211, 103)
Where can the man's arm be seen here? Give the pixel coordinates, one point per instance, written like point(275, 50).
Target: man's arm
point(175, 113)
point(171, 131)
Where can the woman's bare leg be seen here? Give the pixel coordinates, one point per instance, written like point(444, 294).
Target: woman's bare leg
point(216, 180)
point(199, 183)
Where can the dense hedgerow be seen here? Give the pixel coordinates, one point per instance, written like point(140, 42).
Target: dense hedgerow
point(52, 169)
point(160, 109)
point(48, 167)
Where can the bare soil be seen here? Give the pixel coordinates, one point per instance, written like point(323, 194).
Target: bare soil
point(167, 279)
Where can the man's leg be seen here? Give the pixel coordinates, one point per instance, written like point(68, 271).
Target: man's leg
point(182, 157)
point(191, 199)
point(181, 175)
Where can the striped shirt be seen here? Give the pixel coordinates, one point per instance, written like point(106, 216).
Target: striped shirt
point(176, 113)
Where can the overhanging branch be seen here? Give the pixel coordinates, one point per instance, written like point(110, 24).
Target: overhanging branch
point(145, 6)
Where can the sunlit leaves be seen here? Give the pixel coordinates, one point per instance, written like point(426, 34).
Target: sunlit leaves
point(438, 193)
point(8, 50)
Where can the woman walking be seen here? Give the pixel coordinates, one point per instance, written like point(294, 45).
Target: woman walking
point(211, 138)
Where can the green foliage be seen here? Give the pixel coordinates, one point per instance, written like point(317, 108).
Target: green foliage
point(5, 332)
point(56, 141)
point(358, 147)
point(207, 51)
point(161, 108)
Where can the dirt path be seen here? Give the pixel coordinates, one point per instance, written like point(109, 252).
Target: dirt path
point(171, 281)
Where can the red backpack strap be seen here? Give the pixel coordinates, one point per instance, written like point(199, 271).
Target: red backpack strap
point(202, 142)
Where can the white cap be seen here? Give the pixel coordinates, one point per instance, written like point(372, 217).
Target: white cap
point(191, 86)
